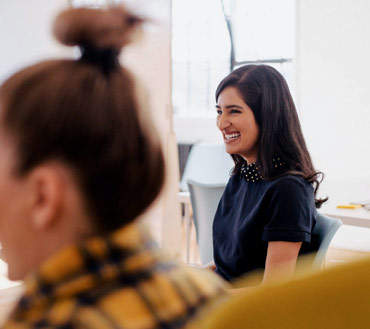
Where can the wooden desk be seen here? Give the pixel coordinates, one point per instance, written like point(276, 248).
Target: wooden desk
point(355, 217)
point(345, 193)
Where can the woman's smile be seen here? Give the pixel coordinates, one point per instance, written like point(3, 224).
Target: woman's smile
point(231, 137)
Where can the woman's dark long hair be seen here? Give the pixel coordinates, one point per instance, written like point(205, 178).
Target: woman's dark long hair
point(266, 92)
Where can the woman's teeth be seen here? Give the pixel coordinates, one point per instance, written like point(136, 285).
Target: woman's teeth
point(231, 136)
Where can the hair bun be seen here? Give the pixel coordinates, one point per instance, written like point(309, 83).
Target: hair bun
point(99, 28)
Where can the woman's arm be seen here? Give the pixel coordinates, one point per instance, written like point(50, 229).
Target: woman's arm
point(280, 263)
point(280, 260)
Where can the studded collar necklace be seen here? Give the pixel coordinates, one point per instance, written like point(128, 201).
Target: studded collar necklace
point(251, 172)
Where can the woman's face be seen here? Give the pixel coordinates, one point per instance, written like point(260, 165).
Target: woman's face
point(40, 211)
point(13, 209)
point(236, 121)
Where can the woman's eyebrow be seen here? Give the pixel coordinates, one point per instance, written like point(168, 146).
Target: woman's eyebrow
point(233, 105)
point(230, 106)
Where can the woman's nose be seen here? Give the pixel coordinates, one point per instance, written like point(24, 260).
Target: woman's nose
point(222, 122)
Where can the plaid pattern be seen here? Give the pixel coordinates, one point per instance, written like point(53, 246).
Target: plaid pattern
point(120, 281)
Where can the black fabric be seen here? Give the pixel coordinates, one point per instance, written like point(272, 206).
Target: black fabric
point(250, 215)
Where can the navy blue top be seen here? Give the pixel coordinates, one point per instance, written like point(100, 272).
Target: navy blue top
point(252, 213)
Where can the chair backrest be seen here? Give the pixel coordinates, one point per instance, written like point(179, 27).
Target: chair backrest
point(204, 199)
point(207, 163)
point(323, 233)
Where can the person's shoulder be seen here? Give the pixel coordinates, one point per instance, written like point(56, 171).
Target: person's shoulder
point(234, 179)
point(291, 184)
point(234, 183)
point(177, 285)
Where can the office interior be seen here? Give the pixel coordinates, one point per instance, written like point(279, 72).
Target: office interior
point(321, 47)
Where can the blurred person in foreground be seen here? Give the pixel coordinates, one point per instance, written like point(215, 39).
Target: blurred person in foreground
point(79, 163)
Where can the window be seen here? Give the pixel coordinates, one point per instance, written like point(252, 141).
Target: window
point(200, 54)
point(263, 32)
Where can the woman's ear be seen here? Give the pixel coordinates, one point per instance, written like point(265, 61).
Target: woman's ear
point(47, 194)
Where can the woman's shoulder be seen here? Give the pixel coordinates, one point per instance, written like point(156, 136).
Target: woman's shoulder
point(291, 192)
point(291, 183)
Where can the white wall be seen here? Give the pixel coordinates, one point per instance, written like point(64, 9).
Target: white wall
point(150, 60)
point(25, 33)
point(333, 86)
point(191, 130)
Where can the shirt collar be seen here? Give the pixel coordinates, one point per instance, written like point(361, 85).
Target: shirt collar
point(251, 172)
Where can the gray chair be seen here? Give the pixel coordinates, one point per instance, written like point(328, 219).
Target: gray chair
point(322, 234)
point(207, 163)
point(204, 199)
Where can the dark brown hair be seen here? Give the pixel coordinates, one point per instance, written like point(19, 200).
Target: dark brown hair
point(86, 114)
point(266, 92)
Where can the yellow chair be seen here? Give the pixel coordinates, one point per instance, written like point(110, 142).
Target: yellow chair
point(337, 298)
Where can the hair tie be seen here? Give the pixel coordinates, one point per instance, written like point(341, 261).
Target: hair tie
point(106, 58)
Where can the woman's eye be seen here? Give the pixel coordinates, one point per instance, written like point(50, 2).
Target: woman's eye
point(219, 112)
point(234, 111)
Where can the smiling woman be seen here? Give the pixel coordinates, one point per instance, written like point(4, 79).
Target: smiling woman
point(236, 121)
point(266, 215)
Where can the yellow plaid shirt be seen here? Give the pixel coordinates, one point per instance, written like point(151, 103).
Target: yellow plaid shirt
point(118, 281)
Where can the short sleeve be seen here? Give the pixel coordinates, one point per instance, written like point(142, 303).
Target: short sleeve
point(290, 211)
